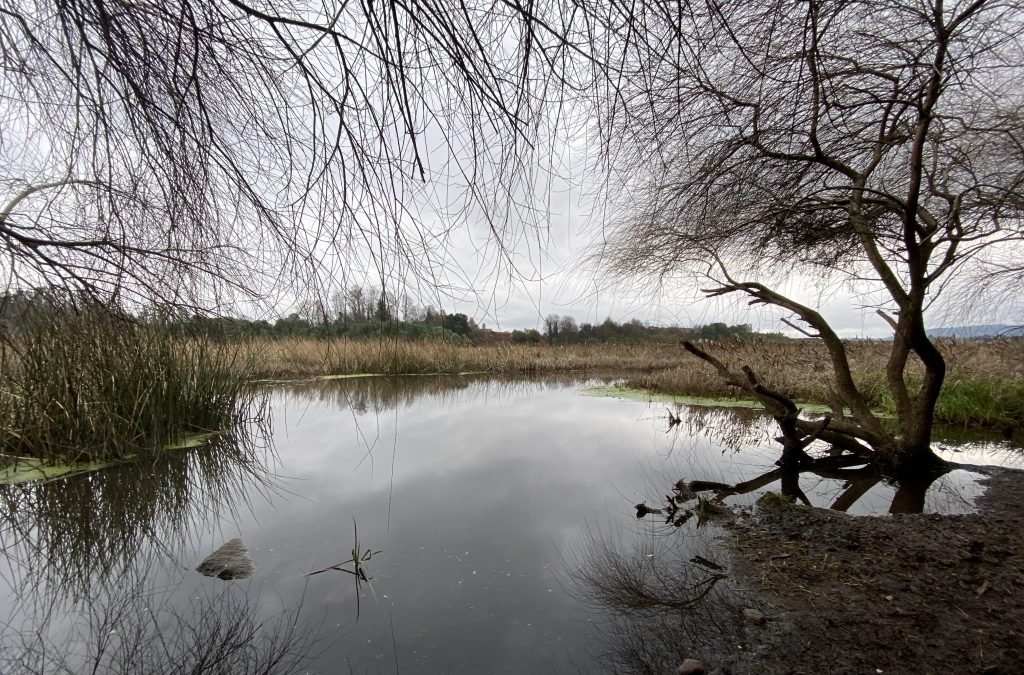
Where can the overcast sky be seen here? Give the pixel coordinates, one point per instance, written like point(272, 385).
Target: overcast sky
point(448, 255)
point(553, 275)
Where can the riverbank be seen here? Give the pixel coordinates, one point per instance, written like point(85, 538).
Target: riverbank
point(896, 594)
point(984, 386)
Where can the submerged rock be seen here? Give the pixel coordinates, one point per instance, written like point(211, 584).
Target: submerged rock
point(230, 561)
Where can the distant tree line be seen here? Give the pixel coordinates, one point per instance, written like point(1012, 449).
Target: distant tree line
point(360, 312)
point(566, 330)
point(356, 312)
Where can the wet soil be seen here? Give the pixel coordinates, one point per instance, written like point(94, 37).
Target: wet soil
point(894, 594)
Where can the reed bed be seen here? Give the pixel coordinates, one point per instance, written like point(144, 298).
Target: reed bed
point(300, 357)
point(87, 386)
point(984, 383)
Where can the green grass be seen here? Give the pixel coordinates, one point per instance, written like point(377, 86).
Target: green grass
point(989, 402)
point(89, 387)
point(984, 384)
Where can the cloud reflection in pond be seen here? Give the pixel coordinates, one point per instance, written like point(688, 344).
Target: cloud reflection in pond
point(476, 492)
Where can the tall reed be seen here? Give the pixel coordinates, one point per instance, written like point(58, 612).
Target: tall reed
point(304, 357)
point(89, 386)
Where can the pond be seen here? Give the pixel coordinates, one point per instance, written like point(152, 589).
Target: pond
point(492, 522)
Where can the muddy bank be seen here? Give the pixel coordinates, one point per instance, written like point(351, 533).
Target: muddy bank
point(896, 594)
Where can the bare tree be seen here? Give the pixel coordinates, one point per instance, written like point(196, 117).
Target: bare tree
point(880, 143)
point(172, 150)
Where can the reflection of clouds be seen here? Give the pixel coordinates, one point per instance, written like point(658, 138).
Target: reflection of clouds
point(95, 569)
point(477, 492)
point(987, 453)
point(491, 483)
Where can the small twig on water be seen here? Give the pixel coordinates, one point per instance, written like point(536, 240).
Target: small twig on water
point(358, 560)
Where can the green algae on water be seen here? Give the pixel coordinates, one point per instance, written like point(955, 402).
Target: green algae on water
point(30, 469)
point(648, 396)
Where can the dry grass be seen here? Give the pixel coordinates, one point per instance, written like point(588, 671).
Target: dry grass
point(90, 387)
point(984, 386)
point(984, 383)
point(296, 357)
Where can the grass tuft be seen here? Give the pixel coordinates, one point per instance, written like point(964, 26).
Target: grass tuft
point(87, 386)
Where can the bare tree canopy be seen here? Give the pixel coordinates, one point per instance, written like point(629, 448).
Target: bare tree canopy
point(877, 142)
point(168, 150)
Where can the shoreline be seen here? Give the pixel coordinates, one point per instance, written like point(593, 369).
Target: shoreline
point(984, 386)
point(899, 593)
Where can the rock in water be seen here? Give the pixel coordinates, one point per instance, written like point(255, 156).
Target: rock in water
point(230, 561)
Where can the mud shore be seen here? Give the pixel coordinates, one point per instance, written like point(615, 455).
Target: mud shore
point(895, 594)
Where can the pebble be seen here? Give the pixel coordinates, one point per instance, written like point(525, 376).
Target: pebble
point(754, 616)
point(691, 667)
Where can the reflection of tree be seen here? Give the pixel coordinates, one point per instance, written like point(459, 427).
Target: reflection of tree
point(732, 428)
point(736, 428)
point(858, 475)
point(661, 606)
point(376, 393)
point(134, 629)
point(380, 393)
point(69, 534)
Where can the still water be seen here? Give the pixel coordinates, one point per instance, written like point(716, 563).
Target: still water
point(493, 522)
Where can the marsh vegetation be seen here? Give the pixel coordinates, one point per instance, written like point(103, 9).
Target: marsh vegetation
point(87, 385)
point(195, 156)
point(985, 386)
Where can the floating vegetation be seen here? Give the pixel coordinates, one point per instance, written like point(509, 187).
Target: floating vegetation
point(28, 469)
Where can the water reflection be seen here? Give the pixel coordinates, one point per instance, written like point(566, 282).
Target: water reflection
point(72, 534)
point(93, 562)
point(844, 483)
point(359, 559)
point(470, 495)
point(666, 600)
point(376, 394)
point(141, 629)
point(733, 429)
